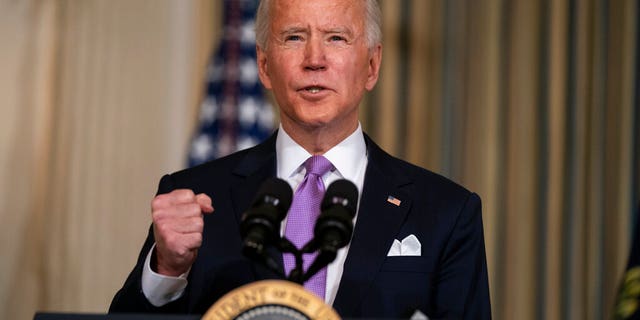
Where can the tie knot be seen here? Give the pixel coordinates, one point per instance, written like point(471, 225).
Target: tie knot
point(318, 165)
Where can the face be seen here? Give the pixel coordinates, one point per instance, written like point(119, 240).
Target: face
point(317, 63)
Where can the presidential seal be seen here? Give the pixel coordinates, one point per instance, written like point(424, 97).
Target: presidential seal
point(270, 300)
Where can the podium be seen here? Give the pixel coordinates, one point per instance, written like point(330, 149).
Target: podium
point(267, 299)
point(115, 316)
point(129, 316)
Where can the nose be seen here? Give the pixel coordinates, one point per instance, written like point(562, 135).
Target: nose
point(314, 55)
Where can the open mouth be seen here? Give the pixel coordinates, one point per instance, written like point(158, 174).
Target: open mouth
point(313, 89)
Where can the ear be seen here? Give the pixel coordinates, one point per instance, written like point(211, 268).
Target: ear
point(263, 71)
point(375, 58)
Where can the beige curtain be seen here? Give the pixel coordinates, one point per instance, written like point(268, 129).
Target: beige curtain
point(98, 98)
point(532, 104)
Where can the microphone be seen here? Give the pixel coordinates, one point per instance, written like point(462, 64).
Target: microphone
point(334, 226)
point(260, 224)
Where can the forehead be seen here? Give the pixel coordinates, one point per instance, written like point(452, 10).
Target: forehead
point(318, 13)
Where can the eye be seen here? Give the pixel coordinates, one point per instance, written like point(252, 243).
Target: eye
point(293, 37)
point(335, 38)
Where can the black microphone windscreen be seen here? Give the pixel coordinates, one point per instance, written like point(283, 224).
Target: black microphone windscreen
point(277, 192)
point(260, 223)
point(341, 192)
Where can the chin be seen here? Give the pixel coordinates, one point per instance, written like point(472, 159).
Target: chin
point(314, 119)
point(314, 124)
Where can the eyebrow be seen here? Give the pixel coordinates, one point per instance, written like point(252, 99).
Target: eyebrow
point(336, 30)
point(291, 30)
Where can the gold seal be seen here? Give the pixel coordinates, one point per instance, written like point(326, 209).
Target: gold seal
point(269, 298)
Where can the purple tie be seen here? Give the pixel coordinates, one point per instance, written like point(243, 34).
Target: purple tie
point(301, 220)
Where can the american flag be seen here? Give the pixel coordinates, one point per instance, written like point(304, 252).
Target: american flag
point(394, 200)
point(234, 114)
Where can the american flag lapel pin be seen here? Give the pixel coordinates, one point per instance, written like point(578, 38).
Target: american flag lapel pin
point(394, 200)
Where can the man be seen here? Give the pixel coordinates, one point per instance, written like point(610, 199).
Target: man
point(318, 58)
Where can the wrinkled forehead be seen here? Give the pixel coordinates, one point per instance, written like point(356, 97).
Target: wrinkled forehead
point(323, 14)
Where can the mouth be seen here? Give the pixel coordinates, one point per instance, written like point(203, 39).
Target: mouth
point(313, 89)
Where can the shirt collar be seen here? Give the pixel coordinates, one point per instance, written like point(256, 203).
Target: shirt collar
point(346, 156)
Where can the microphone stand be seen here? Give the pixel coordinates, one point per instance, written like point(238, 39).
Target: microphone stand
point(286, 246)
point(298, 275)
point(325, 256)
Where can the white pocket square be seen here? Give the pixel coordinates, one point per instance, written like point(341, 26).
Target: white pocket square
point(410, 246)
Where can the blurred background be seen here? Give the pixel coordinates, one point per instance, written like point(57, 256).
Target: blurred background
point(533, 104)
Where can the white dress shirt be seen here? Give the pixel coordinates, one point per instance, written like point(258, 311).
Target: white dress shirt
point(349, 159)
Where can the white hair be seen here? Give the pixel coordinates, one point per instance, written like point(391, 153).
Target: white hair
point(373, 23)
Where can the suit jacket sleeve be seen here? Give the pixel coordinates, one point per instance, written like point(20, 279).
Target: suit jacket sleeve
point(462, 282)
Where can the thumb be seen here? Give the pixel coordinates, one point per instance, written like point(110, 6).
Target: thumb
point(205, 203)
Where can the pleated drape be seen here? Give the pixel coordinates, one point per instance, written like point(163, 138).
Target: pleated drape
point(533, 105)
point(98, 100)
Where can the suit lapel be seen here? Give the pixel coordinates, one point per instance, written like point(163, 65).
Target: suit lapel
point(258, 165)
point(252, 171)
point(377, 225)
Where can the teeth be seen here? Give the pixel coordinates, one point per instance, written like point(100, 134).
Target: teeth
point(313, 89)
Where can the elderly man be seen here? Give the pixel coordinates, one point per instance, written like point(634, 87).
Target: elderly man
point(418, 240)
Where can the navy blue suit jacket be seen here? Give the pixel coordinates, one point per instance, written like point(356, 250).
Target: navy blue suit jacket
point(449, 279)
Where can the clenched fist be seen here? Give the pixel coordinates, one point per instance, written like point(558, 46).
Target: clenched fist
point(177, 228)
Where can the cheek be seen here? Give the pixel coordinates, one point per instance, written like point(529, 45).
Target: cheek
point(356, 66)
point(285, 61)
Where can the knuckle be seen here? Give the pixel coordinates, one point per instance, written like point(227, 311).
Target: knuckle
point(169, 239)
point(162, 220)
point(158, 215)
point(184, 195)
point(182, 251)
point(198, 239)
point(191, 209)
point(195, 241)
point(158, 202)
point(159, 227)
point(199, 224)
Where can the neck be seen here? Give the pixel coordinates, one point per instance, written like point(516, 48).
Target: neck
point(318, 140)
